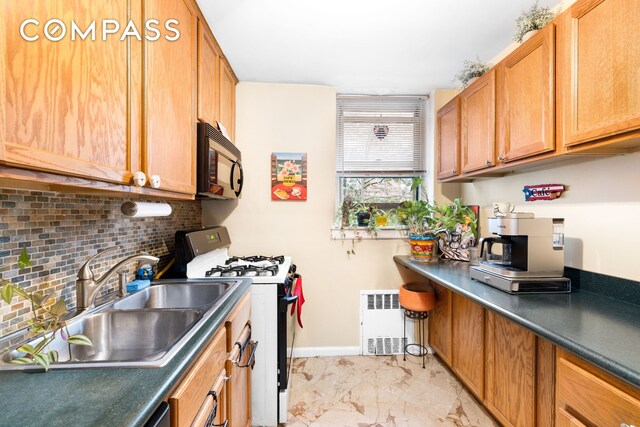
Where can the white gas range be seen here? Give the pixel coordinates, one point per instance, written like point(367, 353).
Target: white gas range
point(204, 254)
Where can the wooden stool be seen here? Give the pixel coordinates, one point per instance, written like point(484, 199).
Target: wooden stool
point(417, 299)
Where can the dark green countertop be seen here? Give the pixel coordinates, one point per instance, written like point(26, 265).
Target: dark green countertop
point(601, 330)
point(101, 397)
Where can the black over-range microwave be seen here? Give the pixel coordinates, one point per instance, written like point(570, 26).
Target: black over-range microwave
point(220, 173)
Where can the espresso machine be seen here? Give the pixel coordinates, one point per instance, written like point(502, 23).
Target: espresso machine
point(525, 256)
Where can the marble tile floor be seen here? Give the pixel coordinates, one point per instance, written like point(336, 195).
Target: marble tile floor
point(372, 391)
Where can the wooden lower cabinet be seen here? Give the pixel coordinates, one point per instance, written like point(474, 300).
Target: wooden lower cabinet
point(510, 366)
point(440, 323)
point(468, 343)
point(586, 395)
point(214, 407)
point(239, 363)
point(192, 394)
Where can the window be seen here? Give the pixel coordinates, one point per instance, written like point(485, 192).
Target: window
point(380, 148)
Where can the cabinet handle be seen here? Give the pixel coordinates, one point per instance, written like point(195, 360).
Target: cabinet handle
point(626, 425)
point(501, 159)
point(211, 419)
point(488, 162)
point(154, 181)
point(252, 357)
point(454, 171)
point(139, 179)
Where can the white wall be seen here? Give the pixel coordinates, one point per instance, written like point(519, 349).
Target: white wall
point(601, 209)
point(300, 118)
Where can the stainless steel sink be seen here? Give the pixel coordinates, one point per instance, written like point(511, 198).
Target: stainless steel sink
point(120, 336)
point(174, 296)
point(145, 329)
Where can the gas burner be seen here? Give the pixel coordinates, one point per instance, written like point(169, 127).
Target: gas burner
point(256, 259)
point(243, 270)
point(270, 270)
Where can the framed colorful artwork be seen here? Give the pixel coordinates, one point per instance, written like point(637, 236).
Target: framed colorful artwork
point(289, 176)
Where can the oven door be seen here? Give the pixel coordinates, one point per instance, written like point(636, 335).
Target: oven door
point(286, 338)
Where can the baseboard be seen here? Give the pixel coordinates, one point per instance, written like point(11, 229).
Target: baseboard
point(325, 351)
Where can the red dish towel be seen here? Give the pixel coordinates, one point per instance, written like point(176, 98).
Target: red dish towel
point(297, 291)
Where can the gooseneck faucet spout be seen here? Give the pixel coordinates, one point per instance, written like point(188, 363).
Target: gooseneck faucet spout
point(87, 287)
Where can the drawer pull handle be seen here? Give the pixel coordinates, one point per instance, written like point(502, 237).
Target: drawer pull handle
point(211, 420)
point(626, 425)
point(252, 357)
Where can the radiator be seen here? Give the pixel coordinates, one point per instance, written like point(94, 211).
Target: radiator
point(381, 321)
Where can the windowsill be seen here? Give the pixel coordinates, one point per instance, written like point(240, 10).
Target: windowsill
point(363, 233)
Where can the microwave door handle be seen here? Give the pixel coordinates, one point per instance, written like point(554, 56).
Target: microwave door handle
point(240, 181)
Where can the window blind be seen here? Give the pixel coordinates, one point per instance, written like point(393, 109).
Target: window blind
point(380, 135)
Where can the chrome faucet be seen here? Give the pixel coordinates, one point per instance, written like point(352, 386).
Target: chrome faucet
point(87, 287)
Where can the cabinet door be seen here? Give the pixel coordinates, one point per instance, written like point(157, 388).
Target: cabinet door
point(186, 401)
point(240, 349)
point(208, 75)
point(239, 389)
point(228, 83)
point(599, 69)
point(468, 343)
point(510, 372)
point(440, 323)
point(526, 101)
point(448, 124)
point(478, 123)
point(214, 405)
point(65, 105)
point(169, 148)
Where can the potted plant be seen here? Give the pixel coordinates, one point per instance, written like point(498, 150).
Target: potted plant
point(471, 70)
point(364, 212)
point(531, 21)
point(459, 229)
point(422, 228)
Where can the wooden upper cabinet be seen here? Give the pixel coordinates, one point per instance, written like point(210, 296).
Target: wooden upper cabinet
point(525, 106)
point(468, 343)
point(599, 63)
point(169, 145)
point(478, 123)
point(448, 124)
point(440, 323)
point(228, 83)
point(59, 114)
point(208, 76)
point(510, 365)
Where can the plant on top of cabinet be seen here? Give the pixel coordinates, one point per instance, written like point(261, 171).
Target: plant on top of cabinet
point(471, 70)
point(531, 20)
point(47, 321)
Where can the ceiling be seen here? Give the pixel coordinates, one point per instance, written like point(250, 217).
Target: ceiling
point(361, 46)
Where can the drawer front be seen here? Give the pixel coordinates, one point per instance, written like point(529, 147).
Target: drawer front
point(237, 320)
point(185, 402)
point(591, 399)
point(213, 410)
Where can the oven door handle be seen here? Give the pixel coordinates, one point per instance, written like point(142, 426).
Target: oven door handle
point(286, 301)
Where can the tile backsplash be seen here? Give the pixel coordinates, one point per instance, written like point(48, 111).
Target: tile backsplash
point(61, 231)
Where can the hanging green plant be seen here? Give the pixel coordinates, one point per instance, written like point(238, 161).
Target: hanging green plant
point(48, 314)
point(532, 20)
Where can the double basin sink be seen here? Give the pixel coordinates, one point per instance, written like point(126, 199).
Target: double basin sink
point(144, 329)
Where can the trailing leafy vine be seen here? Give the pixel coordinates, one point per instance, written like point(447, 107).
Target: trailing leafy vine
point(48, 314)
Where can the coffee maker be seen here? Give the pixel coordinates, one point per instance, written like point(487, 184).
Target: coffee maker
point(525, 256)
